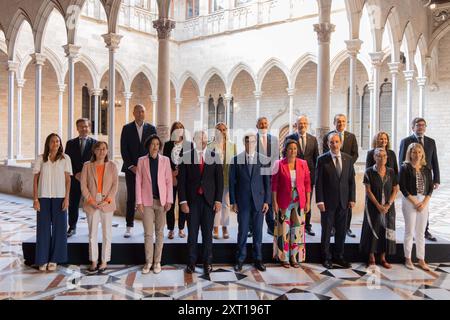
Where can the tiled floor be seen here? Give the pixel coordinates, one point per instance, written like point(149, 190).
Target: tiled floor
point(310, 282)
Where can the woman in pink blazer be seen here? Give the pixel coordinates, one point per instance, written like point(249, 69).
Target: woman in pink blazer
point(154, 197)
point(99, 183)
point(291, 188)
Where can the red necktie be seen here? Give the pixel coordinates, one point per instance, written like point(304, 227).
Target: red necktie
point(202, 166)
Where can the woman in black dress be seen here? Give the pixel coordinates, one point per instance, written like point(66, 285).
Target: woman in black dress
point(378, 231)
point(381, 140)
point(174, 150)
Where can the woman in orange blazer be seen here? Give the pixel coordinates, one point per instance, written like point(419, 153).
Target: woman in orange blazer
point(99, 183)
point(154, 197)
point(291, 188)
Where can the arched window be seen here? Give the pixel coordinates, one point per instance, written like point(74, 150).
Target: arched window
point(103, 121)
point(241, 2)
point(192, 8)
point(221, 114)
point(386, 107)
point(230, 125)
point(85, 103)
point(211, 113)
point(216, 5)
point(365, 119)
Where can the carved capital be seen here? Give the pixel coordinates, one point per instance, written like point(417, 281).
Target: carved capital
point(353, 47)
point(71, 50)
point(112, 40)
point(164, 27)
point(376, 58)
point(38, 58)
point(324, 31)
point(13, 66)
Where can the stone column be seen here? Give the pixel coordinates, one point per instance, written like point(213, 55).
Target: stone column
point(38, 60)
point(61, 90)
point(12, 70)
point(163, 26)
point(154, 109)
point(394, 68)
point(201, 100)
point(291, 92)
point(227, 97)
point(96, 93)
point(178, 103)
point(112, 41)
point(20, 84)
point(127, 96)
point(376, 58)
point(353, 47)
point(409, 78)
point(258, 95)
point(71, 54)
point(421, 82)
point(324, 29)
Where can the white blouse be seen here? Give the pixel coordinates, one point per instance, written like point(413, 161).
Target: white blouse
point(293, 178)
point(52, 182)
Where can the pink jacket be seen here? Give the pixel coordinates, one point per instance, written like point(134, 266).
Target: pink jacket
point(144, 192)
point(88, 183)
point(281, 182)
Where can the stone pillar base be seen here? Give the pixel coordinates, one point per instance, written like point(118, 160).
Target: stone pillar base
point(10, 162)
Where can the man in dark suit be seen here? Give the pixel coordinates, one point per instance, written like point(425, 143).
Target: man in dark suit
point(335, 194)
point(268, 146)
point(200, 191)
point(79, 150)
point(419, 127)
point(308, 151)
point(132, 148)
point(349, 146)
point(250, 198)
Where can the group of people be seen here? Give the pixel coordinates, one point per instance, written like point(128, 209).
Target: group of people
point(210, 179)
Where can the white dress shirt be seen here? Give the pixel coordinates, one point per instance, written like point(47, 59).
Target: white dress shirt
point(52, 180)
point(140, 130)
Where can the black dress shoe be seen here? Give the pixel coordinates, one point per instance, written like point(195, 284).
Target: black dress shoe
point(238, 267)
point(260, 266)
point(71, 232)
point(310, 232)
point(249, 234)
point(350, 233)
point(328, 264)
point(342, 263)
point(207, 269)
point(190, 268)
point(429, 236)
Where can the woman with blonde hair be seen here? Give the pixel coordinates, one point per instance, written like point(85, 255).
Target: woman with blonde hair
point(416, 184)
point(226, 150)
point(382, 140)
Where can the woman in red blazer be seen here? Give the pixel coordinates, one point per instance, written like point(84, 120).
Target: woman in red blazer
point(291, 187)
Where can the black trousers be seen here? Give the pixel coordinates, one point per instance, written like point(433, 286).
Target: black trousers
point(74, 202)
point(336, 218)
point(349, 219)
point(130, 179)
point(201, 215)
point(171, 214)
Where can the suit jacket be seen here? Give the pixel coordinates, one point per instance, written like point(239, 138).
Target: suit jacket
point(144, 192)
point(331, 189)
point(273, 148)
point(248, 185)
point(73, 150)
point(130, 146)
point(311, 152)
point(190, 179)
point(89, 182)
point(349, 147)
point(281, 182)
point(430, 154)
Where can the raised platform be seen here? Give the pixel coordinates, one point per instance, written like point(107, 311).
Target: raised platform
point(131, 251)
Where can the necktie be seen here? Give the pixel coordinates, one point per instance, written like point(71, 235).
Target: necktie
point(338, 166)
point(249, 165)
point(202, 166)
point(421, 141)
point(341, 136)
point(83, 145)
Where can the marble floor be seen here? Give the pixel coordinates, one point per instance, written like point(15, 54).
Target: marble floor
point(122, 282)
